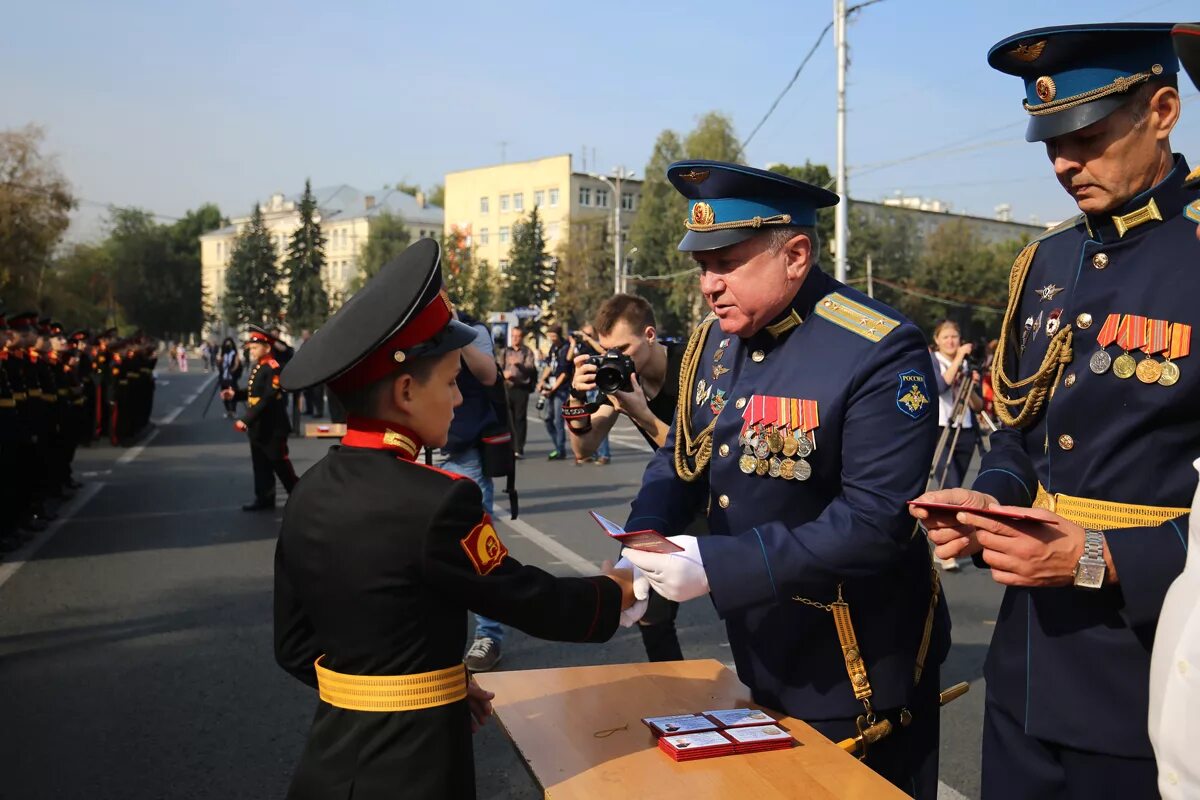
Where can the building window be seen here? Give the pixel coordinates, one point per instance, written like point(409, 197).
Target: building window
point(627, 201)
point(585, 196)
point(483, 235)
point(503, 203)
point(539, 199)
point(504, 265)
point(504, 234)
point(554, 198)
point(519, 201)
point(602, 198)
point(483, 205)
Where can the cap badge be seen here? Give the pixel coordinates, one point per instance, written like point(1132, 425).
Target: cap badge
point(694, 175)
point(1028, 52)
point(1045, 88)
point(702, 214)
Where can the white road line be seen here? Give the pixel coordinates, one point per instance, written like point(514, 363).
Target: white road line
point(555, 548)
point(949, 793)
point(17, 559)
point(631, 439)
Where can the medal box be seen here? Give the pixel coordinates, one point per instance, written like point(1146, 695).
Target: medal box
point(732, 731)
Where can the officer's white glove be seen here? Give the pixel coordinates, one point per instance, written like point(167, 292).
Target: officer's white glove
point(676, 576)
point(641, 593)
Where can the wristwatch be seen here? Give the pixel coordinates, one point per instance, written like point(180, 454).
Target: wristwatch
point(1089, 572)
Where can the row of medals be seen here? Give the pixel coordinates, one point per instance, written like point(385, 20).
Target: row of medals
point(780, 454)
point(1148, 370)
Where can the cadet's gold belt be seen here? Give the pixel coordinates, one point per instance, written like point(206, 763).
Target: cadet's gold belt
point(1103, 515)
point(392, 692)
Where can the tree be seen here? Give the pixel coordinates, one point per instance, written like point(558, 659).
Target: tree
point(307, 303)
point(713, 138)
point(531, 272)
point(467, 281)
point(252, 280)
point(656, 232)
point(436, 196)
point(891, 242)
point(584, 279)
point(35, 206)
point(81, 290)
point(387, 238)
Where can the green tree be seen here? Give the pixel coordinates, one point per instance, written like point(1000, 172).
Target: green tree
point(436, 196)
point(468, 281)
point(585, 272)
point(713, 138)
point(252, 280)
point(531, 272)
point(656, 231)
point(890, 240)
point(81, 291)
point(303, 267)
point(387, 238)
point(35, 206)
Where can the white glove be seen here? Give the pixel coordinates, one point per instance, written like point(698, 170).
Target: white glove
point(676, 576)
point(641, 593)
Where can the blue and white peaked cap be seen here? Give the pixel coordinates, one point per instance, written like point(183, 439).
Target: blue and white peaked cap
point(729, 203)
point(1076, 75)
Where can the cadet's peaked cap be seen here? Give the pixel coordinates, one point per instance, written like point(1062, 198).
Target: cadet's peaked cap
point(402, 313)
point(1187, 46)
point(1076, 75)
point(729, 203)
point(254, 333)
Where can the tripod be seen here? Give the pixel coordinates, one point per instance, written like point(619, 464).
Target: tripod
point(953, 429)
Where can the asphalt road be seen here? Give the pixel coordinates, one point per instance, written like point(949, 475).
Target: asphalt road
point(135, 634)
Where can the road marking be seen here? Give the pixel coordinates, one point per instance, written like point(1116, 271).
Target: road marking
point(96, 473)
point(630, 439)
point(946, 792)
point(555, 548)
point(157, 514)
point(136, 450)
point(17, 559)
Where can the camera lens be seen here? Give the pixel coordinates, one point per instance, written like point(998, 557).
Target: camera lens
point(609, 378)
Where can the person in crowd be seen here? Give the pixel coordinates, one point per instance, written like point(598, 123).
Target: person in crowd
point(520, 373)
point(586, 346)
point(229, 372)
point(556, 386)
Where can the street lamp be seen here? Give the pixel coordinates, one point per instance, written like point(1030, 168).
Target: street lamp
point(618, 174)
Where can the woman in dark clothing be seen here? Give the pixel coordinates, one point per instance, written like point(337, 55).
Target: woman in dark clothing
point(229, 369)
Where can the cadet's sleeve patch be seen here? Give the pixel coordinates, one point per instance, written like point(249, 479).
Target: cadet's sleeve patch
point(275, 381)
point(912, 398)
point(856, 317)
point(1192, 212)
point(483, 547)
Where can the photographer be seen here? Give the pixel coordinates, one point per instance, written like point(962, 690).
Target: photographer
point(586, 344)
point(636, 375)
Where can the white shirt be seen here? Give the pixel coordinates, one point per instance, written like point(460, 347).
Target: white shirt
point(1175, 676)
point(946, 398)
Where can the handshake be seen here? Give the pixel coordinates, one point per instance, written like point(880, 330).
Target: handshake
point(677, 576)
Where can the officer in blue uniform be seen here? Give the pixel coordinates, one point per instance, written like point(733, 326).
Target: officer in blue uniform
point(803, 425)
point(1098, 398)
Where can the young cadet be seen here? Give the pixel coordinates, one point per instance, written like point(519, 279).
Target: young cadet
point(803, 426)
point(1100, 425)
point(380, 557)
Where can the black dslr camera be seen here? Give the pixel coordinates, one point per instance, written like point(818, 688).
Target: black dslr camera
point(614, 372)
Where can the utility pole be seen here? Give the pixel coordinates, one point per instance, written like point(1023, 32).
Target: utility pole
point(840, 211)
point(619, 174)
point(870, 283)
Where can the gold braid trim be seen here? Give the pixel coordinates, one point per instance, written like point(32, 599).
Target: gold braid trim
point(699, 447)
point(1121, 84)
point(1042, 382)
point(753, 222)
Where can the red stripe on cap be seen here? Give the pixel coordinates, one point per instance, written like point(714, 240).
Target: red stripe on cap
point(255, 336)
point(382, 360)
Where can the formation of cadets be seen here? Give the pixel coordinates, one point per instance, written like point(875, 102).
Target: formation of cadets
point(60, 390)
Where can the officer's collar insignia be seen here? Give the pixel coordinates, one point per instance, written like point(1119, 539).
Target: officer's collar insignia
point(1048, 292)
point(702, 214)
point(483, 547)
point(694, 175)
point(912, 398)
point(1028, 52)
point(784, 325)
point(1127, 222)
point(1192, 212)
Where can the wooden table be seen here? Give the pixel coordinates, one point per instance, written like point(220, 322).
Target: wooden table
point(553, 715)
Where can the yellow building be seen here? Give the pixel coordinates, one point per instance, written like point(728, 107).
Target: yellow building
point(345, 215)
point(484, 203)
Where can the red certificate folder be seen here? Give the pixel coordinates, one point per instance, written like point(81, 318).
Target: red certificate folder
point(650, 541)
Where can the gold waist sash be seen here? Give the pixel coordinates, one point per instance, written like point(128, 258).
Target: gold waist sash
point(1103, 515)
point(392, 692)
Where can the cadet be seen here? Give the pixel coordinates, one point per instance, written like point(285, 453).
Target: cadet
point(265, 421)
point(380, 557)
point(803, 424)
point(1098, 402)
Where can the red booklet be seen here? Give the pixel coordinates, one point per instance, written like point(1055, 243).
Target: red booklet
point(692, 746)
point(650, 541)
point(995, 513)
point(679, 724)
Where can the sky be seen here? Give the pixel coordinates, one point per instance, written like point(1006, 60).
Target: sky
point(165, 106)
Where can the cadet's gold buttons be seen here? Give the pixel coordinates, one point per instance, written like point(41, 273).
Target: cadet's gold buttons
point(723, 450)
point(741, 403)
point(1066, 442)
point(757, 356)
point(723, 501)
point(1084, 321)
point(1068, 381)
point(1100, 261)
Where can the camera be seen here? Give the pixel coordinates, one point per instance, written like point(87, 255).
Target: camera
point(614, 371)
point(541, 402)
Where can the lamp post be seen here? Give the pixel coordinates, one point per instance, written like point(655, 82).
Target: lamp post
point(618, 174)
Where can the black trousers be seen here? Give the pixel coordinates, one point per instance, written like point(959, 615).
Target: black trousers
point(314, 401)
point(518, 409)
point(1017, 766)
point(270, 459)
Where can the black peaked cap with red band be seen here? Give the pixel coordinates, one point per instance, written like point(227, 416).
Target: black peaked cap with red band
point(400, 314)
point(256, 334)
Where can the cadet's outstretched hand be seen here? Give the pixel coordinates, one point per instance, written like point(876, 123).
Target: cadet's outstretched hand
point(624, 579)
point(952, 537)
point(239, 426)
point(676, 576)
point(479, 700)
point(641, 593)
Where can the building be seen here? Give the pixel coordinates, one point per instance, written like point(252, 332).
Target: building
point(927, 216)
point(345, 215)
point(484, 203)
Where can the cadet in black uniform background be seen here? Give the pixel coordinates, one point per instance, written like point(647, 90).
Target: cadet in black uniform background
point(380, 557)
point(1099, 403)
point(265, 421)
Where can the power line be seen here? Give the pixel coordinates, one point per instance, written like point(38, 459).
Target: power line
point(929, 294)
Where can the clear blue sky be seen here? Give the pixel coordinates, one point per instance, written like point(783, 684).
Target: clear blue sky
point(168, 105)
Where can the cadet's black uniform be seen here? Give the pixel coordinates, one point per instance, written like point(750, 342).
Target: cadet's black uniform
point(267, 425)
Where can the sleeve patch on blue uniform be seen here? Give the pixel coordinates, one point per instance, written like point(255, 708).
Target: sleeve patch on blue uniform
point(912, 398)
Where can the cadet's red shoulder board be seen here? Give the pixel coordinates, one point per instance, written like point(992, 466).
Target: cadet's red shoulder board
point(483, 547)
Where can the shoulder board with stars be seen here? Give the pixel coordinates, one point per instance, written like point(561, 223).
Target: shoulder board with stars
point(856, 317)
point(1066, 225)
point(1192, 212)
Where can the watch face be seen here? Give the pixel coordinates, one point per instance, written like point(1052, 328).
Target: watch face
point(1089, 576)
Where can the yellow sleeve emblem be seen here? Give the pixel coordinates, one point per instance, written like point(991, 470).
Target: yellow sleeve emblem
point(483, 547)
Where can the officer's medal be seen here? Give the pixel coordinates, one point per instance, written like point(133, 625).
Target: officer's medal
point(1101, 360)
point(1131, 334)
point(1181, 345)
point(1157, 340)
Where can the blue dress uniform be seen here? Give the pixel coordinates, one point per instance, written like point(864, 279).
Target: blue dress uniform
point(1100, 429)
point(790, 539)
